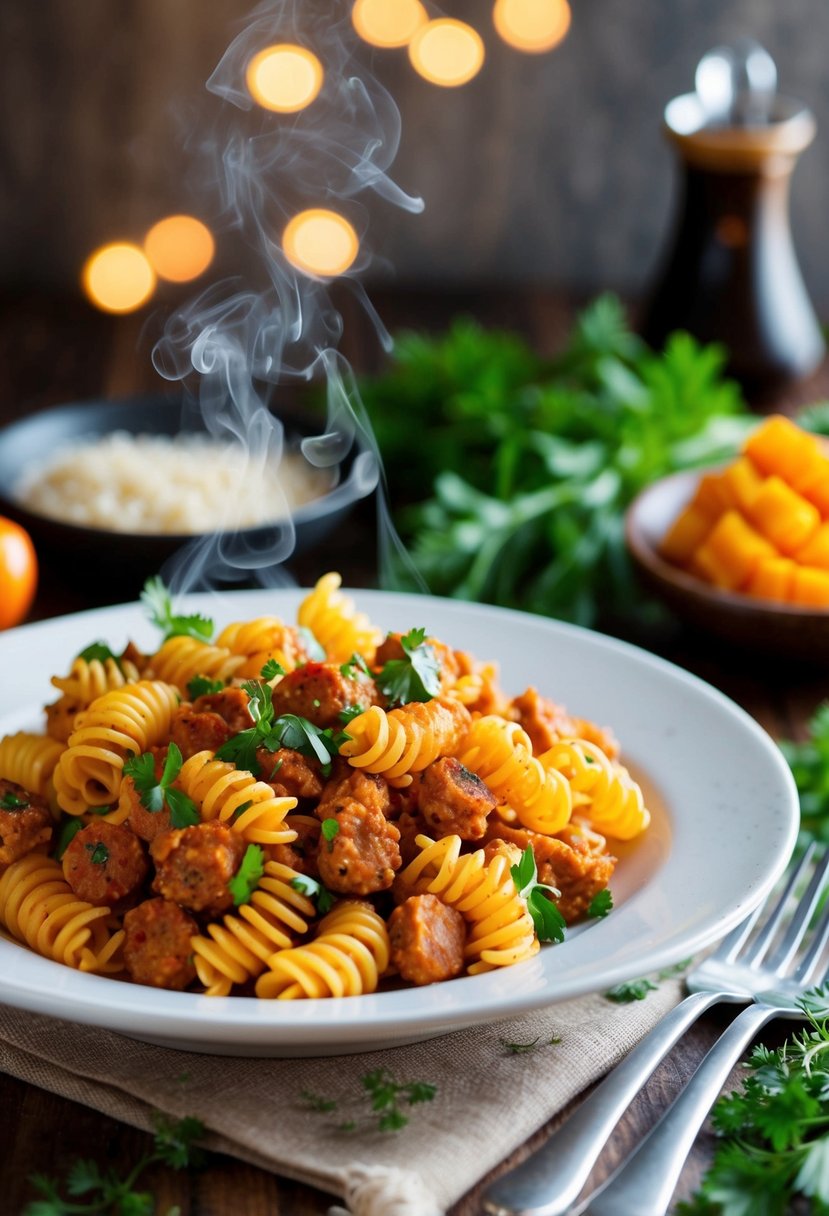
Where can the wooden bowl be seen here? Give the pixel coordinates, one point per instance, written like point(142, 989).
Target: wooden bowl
point(780, 629)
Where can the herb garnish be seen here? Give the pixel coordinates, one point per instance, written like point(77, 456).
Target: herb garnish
point(173, 1145)
point(386, 1096)
point(601, 903)
point(69, 828)
point(201, 686)
point(415, 677)
point(330, 830)
point(157, 600)
point(809, 762)
point(631, 990)
point(154, 792)
point(99, 651)
point(11, 802)
point(548, 921)
point(350, 713)
point(325, 899)
point(356, 668)
point(271, 670)
point(524, 1049)
point(272, 733)
point(98, 853)
point(246, 879)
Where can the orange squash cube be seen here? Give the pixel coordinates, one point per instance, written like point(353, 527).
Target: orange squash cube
point(731, 552)
point(772, 579)
point(688, 530)
point(780, 447)
point(782, 515)
point(810, 587)
point(712, 495)
point(742, 479)
point(816, 550)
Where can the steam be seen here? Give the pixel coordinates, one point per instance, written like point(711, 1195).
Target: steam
point(237, 342)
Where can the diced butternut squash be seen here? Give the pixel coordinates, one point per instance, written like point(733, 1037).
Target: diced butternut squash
point(732, 551)
point(713, 495)
point(783, 517)
point(817, 490)
point(810, 587)
point(687, 532)
point(816, 550)
point(772, 579)
point(743, 480)
point(780, 447)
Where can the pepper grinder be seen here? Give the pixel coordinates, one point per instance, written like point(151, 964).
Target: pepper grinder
point(731, 274)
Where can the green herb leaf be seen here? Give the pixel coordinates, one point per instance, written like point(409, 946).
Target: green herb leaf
point(631, 990)
point(159, 605)
point(355, 668)
point(98, 853)
point(350, 713)
point(183, 810)
point(201, 686)
point(247, 877)
point(271, 670)
point(11, 802)
point(329, 831)
point(415, 677)
point(175, 1141)
point(548, 921)
point(324, 898)
point(99, 651)
point(601, 903)
point(154, 792)
point(69, 828)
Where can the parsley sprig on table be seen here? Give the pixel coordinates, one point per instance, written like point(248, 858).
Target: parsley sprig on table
point(154, 792)
point(415, 677)
point(96, 1193)
point(387, 1100)
point(157, 600)
point(548, 921)
point(272, 732)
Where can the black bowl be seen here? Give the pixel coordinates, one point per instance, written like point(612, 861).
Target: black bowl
point(124, 560)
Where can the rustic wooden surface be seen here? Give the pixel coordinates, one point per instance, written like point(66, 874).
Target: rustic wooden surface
point(53, 351)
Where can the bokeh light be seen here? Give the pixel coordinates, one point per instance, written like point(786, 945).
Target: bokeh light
point(532, 25)
point(284, 78)
point(118, 278)
point(179, 247)
point(447, 52)
point(388, 23)
point(320, 242)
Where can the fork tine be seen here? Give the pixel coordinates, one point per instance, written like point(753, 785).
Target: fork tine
point(808, 964)
point(766, 935)
point(785, 952)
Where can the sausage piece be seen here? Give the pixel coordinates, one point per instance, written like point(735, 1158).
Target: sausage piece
point(146, 824)
point(25, 822)
point(157, 945)
point(347, 783)
point(546, 722)
point(289, 773)
point(231, 705)
point(361, 854)
point(453, 801)
point(320, 692)
point(195, 864)
point(427, 940)
point(194, 732)
point(105, 864)
point(569, 865)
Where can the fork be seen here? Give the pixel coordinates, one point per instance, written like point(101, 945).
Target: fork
point(548, 1183)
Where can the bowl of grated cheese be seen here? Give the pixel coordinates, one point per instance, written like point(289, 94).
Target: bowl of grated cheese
point(131, 482)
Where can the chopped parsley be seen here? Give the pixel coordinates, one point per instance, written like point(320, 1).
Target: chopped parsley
point(415, 677)
point(324, 898)
point(356, 668)
point(387, 1099)
point(601, 903)
point(272, 733)
point(548, 921)
point(631, 990)
point(330, 830)
point(157, 600)
point(69, 828)
point(246, 879)
point(524, 1049)
point(99, 651)
point(350, 713)
point(201, 686)
point(271, 670)
point(154, 792)
point(98, 853)
point(11, 802)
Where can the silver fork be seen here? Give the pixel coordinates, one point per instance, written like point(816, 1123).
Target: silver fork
point(548, 1183)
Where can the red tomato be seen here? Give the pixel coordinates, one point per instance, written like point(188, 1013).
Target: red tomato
point(18, 573)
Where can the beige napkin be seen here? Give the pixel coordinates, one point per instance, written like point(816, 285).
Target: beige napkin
point(489, 1099)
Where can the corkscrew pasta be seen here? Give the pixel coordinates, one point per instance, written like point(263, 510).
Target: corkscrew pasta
point(298, 811)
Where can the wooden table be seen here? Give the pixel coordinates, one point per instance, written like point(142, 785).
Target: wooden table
point(57, 350)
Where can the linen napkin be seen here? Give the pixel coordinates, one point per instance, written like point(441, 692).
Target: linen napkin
point(490, 1097)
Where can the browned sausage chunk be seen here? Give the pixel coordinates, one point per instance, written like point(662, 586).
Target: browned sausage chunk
point(546, 722)
point(105, 864)
point(453, 801)
point(289, 773)
point(198, 732)
point(194, 866)
point(320, 692)
point(146, 824)
point(347, 783)
point(427, 940)
point(358, 851)
point(157, 944)
point(25, 822)
point(231, 705)
point(567, 864)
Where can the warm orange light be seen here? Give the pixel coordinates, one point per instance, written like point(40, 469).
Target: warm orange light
point(320, 242)
point(447, 52)
point(118, 278)
point(388, 23)
point(532, 25)
point(179, 247)
point(284, 78)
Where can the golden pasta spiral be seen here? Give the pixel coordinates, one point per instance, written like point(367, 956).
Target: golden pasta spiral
point(222, 791)
point(126, 721)
point(404, 741)
point(501, 930)
point(38, 907)
point(500, 752)
point(257, 641)
point(30, 760)
point(87, 680)
point(180, 660)
point(335, 622)
point(238, 947)
point(347, 958)
point(615, 804)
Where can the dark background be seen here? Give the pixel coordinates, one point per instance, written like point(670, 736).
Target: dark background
point(546, 169)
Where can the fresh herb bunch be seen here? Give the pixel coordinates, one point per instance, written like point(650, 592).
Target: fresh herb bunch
point(774, 1149)
point(272, 732)
point(809, 762)
point(531, 464)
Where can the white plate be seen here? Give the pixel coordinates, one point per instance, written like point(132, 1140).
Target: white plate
point(724, 822)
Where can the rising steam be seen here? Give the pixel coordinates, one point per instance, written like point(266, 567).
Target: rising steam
point(234, 344)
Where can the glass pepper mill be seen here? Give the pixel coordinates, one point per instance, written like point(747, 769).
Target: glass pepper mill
point(731, 274)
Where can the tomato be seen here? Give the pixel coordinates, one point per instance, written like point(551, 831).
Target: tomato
point(18, 573)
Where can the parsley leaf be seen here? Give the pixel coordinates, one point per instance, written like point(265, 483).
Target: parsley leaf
point(330, 830)
point(350, 713)
point(11, 802)
point(99, 651)
point(246, 879)
point(157, 600)
point(631, 990)
point(99, 853)
point(271, 670)
point(201, 686)
point(355, 668)
point(153, 793)
point(69, 828)
point(415, 677)
point(548, 921)
point(272, 733)
point(601, 903)
point(325, 899)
